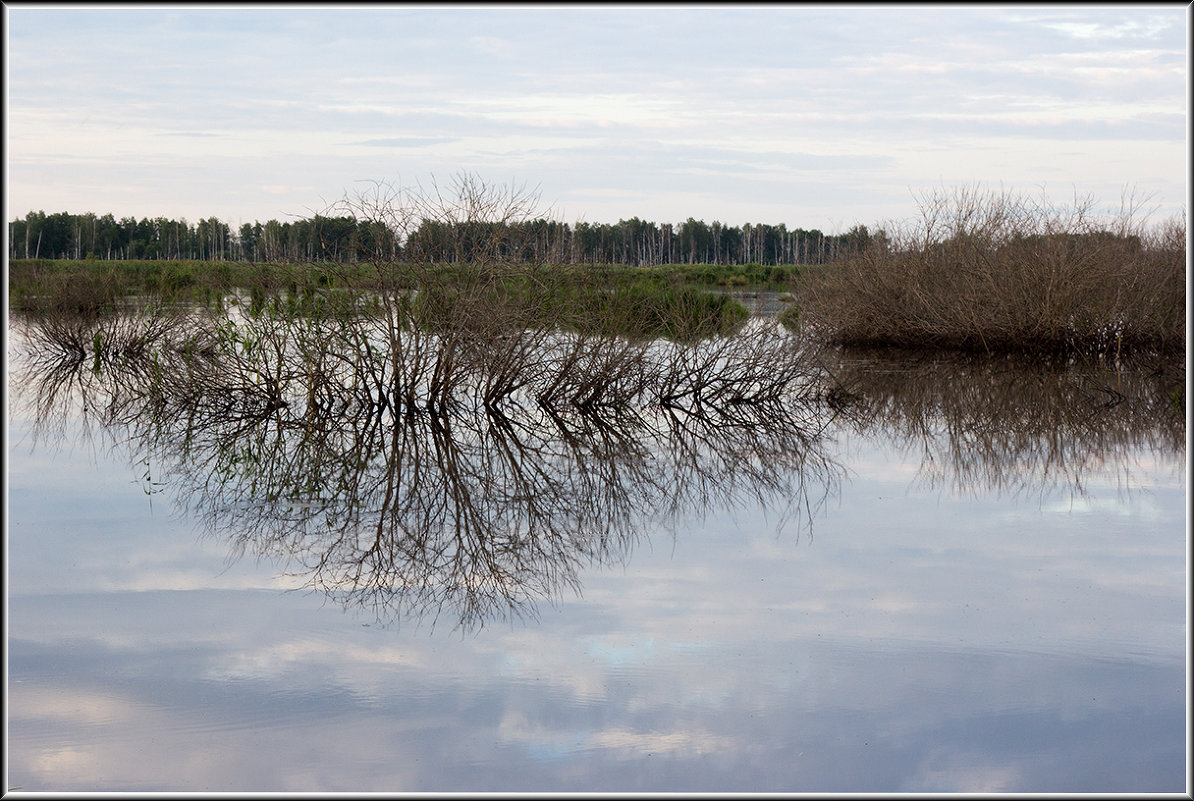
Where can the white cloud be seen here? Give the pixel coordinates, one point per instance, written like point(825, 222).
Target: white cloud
point(625, 83)
point(1097, 30)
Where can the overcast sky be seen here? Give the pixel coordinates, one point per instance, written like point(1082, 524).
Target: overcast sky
point(813, 116)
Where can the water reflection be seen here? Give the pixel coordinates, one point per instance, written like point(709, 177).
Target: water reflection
point(476, 512)
point(977, 645)
point(481, 511)
point(1011, 425)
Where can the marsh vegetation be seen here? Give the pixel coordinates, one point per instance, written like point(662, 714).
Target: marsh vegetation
point(977, 271)
point(997, 272)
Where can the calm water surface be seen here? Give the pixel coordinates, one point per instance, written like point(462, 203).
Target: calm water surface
point(959, 577)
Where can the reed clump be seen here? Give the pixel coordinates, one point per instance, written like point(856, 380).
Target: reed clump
point(642, 310)
point(997, 272)
point(47, 287)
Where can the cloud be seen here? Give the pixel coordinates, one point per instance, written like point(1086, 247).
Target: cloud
point(578, 100)
point(404, 142)
point(286, 189)
point(1095, 31)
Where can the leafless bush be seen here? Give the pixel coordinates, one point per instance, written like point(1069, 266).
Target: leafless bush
point(465, 223)
point(407, 357)
point(993, 271)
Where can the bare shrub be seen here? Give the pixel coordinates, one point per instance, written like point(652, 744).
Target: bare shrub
point(464, 314)
point(995, 271)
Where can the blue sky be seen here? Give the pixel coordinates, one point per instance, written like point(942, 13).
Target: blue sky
point(814, 116)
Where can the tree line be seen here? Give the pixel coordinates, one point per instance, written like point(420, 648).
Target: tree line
point(632, 242)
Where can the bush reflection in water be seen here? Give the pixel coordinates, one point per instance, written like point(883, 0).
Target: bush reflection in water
point(421, 471)
point(397, 483)
point(1017, 425)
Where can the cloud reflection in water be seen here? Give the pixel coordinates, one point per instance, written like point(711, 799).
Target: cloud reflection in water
point(947, 638)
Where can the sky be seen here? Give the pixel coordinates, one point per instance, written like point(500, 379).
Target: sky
point(813, 116)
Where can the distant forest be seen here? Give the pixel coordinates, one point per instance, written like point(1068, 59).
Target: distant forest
point(631, 242)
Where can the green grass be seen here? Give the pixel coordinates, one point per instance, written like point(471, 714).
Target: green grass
point(636, 302)
point(634, 309)
point(709, 276)
point(92, 284)
point(36, 282)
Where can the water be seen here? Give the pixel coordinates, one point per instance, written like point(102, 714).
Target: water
point(962, 576)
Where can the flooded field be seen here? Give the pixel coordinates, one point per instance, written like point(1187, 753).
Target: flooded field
point(729, 565)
